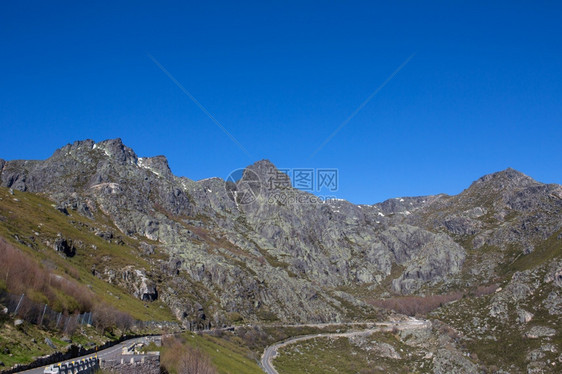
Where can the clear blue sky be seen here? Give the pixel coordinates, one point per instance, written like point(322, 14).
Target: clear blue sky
point(483, 91)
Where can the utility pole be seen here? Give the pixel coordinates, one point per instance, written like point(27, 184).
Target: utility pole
point(19, 303)
point(43, 315)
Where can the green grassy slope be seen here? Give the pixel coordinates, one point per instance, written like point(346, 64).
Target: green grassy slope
point(31, 223)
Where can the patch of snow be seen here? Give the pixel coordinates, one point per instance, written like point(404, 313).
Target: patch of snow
point(335, 199)
point(235, 193)
point(381, 214)
point(401, 200)
point(141, 164)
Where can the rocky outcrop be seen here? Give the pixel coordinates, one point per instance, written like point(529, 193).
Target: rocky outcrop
point(65, 247)
point(157, 164)
point(447, 361)
point(539, 332)
point(139, 284)
point(428, 257)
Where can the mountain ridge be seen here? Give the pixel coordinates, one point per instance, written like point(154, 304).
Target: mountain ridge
point(116, 149)
point(335, 242)
point(254, 250)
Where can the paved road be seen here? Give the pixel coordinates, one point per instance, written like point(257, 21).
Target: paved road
point(271, 352)
point(111, 353)
point(115, 352)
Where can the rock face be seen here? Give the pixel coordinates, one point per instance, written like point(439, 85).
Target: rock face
point(139, 284)
point(256, 247)
point(65, 246)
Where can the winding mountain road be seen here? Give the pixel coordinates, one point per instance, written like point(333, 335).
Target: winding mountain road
point(271, 352)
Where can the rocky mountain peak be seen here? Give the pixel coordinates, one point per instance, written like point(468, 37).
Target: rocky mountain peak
point(262, 166)
point(115, 149)
point(505, 179)
point(76, 147)
point(268, 174)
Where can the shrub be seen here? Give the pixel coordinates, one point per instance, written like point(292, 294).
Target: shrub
point(107, 318)
point(414, 305)
point(485, 290)
point(178, 356)
point(22, 274)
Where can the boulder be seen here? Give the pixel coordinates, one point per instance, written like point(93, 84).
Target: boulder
point(106, 235)
point(523, 316)
point(553, 303)
point(147, 249)
point(61, 208)
point(50, 343)
point(540, 332)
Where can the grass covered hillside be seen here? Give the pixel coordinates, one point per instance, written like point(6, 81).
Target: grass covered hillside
point(48, 256)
